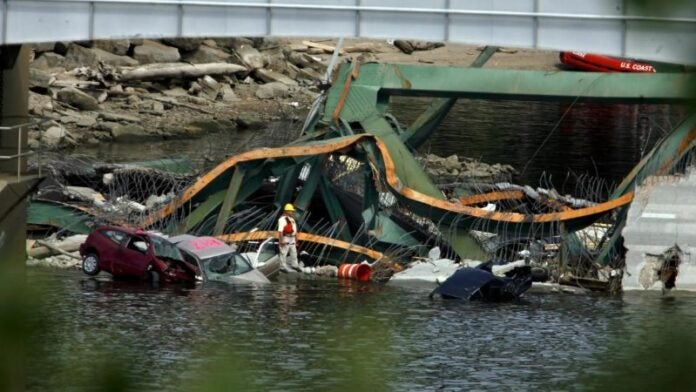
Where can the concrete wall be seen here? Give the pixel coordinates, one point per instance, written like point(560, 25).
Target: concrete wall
point(14, 106)
point(663, 214)
point(14, 87)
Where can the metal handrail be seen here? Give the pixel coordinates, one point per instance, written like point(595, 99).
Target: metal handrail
point(19, 128)
point(412, 10)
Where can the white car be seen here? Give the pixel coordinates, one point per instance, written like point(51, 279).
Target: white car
point(217, 260)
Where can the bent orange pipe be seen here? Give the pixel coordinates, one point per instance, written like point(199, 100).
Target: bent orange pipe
point(302, 236)
point(395, 183)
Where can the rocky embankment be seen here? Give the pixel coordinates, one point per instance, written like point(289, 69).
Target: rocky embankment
point(129, 90)
point(132, 90)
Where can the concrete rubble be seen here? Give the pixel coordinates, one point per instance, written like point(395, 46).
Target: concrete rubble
point(117, 90)
point(119, 74)
point(452, 169)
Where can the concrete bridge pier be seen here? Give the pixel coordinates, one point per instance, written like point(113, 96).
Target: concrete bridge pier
point(15, 184)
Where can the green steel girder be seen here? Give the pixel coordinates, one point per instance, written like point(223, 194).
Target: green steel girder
point(409, 171)
point(334, 208)
point(212, 204)
point(484, 56)
point(285, 188)
point(304, 197)
point(230, 199)
point(385, 230)
point(431, 118)
point(370, 199)
point(669, 150)
point(59, 215)
point(200, 213)
point(667, 153)
point(424, 126)
point(376, 82)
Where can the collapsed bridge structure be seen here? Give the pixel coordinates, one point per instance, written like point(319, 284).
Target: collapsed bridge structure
point(353, 176)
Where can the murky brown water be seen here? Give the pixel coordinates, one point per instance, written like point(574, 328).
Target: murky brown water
point(336, 335)
point(559, 139)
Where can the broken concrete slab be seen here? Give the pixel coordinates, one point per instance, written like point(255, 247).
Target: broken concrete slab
point(228, 94)
point(205, 54)
point(184, 44)
point(118, 117)
point(662, 215)
point(175, 92)
point(151, 107)
point(269, 76)
point(77, 98)
point(39, 79)
point(49, 61)
point(41, 47)
point(116, 46)
point(304, 60)
point(250, 57)
point(154, 52)
point(91, 57)
point(39, 103)
point(53, 136)
point(209, 87)
point(273, 90)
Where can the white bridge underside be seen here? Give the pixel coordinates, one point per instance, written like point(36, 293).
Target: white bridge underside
point(613, 27)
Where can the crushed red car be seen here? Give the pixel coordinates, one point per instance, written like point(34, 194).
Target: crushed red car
point(133, 253)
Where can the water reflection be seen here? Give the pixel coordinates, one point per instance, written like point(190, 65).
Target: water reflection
point(327, 334)
point(602, 140)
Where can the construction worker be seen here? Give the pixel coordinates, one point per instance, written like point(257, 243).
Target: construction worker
point(287, 234)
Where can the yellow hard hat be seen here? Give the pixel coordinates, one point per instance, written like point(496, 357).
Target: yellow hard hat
point(289, 207)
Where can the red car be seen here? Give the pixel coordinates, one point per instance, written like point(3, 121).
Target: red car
point(133, 253)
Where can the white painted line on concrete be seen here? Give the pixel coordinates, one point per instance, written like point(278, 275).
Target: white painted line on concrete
point(657, 215)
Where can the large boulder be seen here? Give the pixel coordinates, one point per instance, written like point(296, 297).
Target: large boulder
point(154, 52)
point(49, 61)
point(61, 47)
point(209, 87)
point(273, 90)
point(205, 54)
point(77, 98)
point(250, 57)
point(270, 76)
point(39, 104)
point(39, 79)
point(91, 57)
point(43, 47)
point(115, 46)
point(131, 133)
point(409, 47)
point(53, 136)
point(228, 94)
point(233, 43)
point(184, 44)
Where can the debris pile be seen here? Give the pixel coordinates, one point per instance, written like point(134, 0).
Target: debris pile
point(454, 168)
point(127, 90)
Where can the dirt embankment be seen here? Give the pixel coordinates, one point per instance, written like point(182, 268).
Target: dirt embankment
point(133, 90)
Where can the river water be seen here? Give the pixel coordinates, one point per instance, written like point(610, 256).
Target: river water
point(555, 141)
point(336, 335)
point(342, 335)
